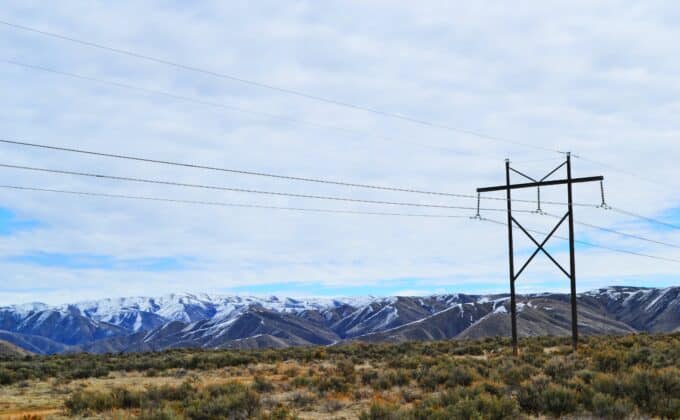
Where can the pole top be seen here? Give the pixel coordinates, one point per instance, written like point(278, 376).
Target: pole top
point(507, 160)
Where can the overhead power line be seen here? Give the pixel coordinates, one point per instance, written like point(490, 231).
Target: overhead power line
point(225, 204)
point(617, 232)
point(315, 97)
point(333, 182)
point(656, 182)
point(272, 175)
point(303, 209)
point(244, 190)
point(618, 250)
point(197, 101)
point(279, 89)
point(646, 218)
point(308, 196)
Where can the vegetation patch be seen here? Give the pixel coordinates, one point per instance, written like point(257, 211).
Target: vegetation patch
point(633, 376)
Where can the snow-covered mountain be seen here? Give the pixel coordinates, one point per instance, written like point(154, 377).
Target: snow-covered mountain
point(227, 321)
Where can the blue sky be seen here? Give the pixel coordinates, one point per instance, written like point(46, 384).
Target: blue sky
point(10, 223)
point(597, 79)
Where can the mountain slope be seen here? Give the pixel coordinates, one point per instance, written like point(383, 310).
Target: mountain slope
point(222, 321)
point(11, 351)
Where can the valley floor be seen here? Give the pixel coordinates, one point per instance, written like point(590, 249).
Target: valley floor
point(610, 377)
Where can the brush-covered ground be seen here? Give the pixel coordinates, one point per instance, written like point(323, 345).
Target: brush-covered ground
point(636, 376)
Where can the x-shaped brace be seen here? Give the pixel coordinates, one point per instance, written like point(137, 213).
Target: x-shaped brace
point(541, 246)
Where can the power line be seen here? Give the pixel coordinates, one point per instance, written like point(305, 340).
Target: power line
point(231, 170)
point(655, 182)
point(203, 102)
point(300, 94)
point(327, 181)
point(198, 101)
point(244, 190)
point(617, 232)
point(172, 95)
point(646, 218)
point(272, 175)
point(303, 209)
point(622, 251)
point(225, 204)
point(272, 87)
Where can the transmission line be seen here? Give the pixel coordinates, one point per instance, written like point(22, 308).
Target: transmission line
point(646, 218)
point(279, 89)
point(225, 204)
point(272, 175)
point(244, 190)
point(332, 182)
point(195, 100)
point(619, 250)
point(307, 95)
point(655, 182)
point(617, 232)
point(315, 210)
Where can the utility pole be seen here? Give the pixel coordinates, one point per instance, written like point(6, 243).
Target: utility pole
point(511, 250)
point(572, 257)
point(512, 222)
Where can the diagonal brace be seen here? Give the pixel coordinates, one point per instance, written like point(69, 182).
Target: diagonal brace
point(541, 246)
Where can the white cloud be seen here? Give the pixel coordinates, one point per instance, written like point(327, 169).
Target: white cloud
point(600, 80)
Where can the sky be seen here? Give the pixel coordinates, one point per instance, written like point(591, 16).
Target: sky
point(597, 79)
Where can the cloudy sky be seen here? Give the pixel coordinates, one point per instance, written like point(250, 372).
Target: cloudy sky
point(599, 80)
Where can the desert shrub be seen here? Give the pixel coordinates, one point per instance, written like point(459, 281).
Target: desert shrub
point(560, 368)
point(657, 393)
point(468, 350)
point(641, 355)
point(125, 398)
point(7, 377)
point(291, 372)
point(368, 376)
point(399, 377)
point(381, 412)
point(587, 376)
point(462, 376)
point(331, 384)
point(494, 408)
point(86, 402)
point(530, 394)
point(345, 368)
point(451, 375)
point(159, 414)
point(558, 400)
point(409, 395)
point(608, 360)
point(490, 387)
point(430, 378)
point(331, 405)
point(609, 384)
point(608, 407)
point(278, 413)
point(238, 405)
point(301, 381)
point(302, 399)
point(513, 374)
point(382, 383)
point(462, 404)
point(262, 385)
point(89, 370)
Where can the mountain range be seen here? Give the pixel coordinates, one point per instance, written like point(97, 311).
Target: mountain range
point(224, 321)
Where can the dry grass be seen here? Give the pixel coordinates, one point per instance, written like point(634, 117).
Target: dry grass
point(414, 380)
